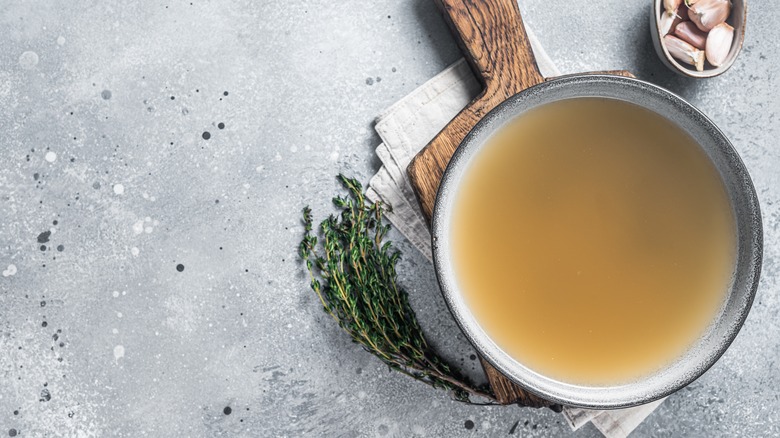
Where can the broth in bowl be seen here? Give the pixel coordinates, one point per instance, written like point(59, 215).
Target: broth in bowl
point(593, 240)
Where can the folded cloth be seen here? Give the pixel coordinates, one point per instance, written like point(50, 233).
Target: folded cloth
point(405, 128)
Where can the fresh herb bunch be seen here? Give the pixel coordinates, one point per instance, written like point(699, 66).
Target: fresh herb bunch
point(353, 273)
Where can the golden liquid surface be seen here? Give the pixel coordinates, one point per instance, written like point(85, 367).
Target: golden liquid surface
point(593, 240)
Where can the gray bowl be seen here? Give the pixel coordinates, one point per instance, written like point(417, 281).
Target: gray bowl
point(722, 331)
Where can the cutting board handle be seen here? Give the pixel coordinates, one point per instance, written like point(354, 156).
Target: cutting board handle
point(493, 39)
point(494, 42)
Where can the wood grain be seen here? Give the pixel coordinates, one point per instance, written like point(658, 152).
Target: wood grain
point(493, 40)
point(507, 392)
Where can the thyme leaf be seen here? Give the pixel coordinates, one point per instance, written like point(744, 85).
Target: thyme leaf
point(352, 270)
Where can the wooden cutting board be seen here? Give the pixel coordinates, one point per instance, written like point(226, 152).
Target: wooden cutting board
point(493, 40)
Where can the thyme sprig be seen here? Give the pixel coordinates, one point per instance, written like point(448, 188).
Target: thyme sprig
point(353, 273)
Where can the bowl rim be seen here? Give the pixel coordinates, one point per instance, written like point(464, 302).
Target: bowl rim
point(721, 333)
point(673, 64)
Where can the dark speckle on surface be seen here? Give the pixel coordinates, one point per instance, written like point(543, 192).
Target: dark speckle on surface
point(206, 135)
point(180, 267)
point(45, 395)
point(468, 424)
point(225, 93)
point(60, 248)
point(12, 432)
point(106, 94)
point(227, 410)
point(43, 247)
point(221, 125)
point(44, 237)
point(369, 81)
point(301, 116)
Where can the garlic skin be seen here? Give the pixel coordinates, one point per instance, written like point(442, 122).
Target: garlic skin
point(670, 6)
point(688, 32)
point(719, 44)
point(684, 52)
point(707, 14)
point(669, 20)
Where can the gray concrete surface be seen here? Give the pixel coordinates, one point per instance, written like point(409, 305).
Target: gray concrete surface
point(107, 185)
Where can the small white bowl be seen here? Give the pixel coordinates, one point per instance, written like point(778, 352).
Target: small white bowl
point(737, 20)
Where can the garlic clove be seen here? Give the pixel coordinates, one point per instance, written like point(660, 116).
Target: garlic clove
point(688, 32)
point(668, 21)
point(719, 44)
point(671, 6)
point(665, 23)
point(682, 12)
point(684, 52)
point(707, 14)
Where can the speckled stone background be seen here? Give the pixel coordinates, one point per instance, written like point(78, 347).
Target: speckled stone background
point(150, 285)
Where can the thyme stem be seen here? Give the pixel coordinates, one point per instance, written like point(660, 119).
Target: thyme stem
point(353, 273)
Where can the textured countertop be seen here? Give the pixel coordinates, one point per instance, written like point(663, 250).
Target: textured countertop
point(150, 284)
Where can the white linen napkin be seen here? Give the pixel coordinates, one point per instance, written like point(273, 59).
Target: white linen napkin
point(405, 128)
